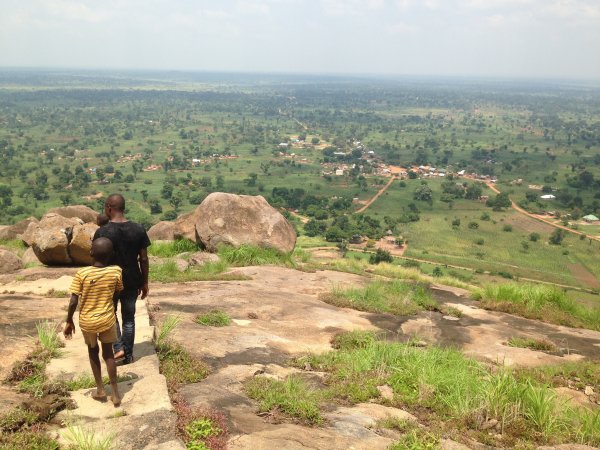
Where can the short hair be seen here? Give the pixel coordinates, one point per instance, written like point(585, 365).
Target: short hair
point(116, 202)
point(102, 249)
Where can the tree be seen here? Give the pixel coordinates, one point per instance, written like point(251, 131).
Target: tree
point(423, 193)
point(557, 236)
point(155, 207)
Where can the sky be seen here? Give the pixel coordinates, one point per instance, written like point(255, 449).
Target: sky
point(490, 38)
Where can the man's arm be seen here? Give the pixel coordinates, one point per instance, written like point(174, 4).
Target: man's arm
point(70, 326)
point(145, 268)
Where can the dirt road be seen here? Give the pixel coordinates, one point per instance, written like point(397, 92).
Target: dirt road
point(541, 219)
point(376, 196)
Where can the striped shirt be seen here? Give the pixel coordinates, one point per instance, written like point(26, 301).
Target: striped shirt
point(95, 287)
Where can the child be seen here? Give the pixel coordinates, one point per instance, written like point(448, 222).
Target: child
point(102, 220)
point(97, 286)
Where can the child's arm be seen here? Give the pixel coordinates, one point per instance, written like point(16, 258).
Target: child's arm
point(70, 326)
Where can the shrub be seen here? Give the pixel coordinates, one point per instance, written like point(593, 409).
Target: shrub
point(381, 256)
point(508, 228)
point(473, 225)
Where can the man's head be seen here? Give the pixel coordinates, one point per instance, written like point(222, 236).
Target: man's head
point(114, 205)
point(102, 250)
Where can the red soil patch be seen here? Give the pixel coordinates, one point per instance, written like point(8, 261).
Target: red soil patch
point(584, 276)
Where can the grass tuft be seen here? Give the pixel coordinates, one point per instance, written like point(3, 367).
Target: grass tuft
point(176, 364)
point(85, 381)
point(250, 255)
point(291, 397)
point(23, 440)
point(214, 318)
point(172, 248)
point(168, 272)
point(540, 302)
point(393, 297)
point(48, 337)
point(81, 438)
point(531, 343)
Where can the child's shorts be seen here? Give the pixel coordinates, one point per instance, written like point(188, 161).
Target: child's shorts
point(106, 337)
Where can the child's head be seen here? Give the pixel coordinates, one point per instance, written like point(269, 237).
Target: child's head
point(102, 250)
point(102, 220)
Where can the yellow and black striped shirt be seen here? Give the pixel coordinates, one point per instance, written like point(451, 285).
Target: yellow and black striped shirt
point(95, 287)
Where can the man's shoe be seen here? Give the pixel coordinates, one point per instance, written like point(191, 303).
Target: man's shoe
point(120, 354)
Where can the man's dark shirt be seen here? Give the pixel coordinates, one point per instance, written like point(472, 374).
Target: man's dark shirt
point(128, 239)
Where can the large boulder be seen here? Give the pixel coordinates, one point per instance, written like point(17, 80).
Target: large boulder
point(17, 229)
point(242, 219)
point(9, 262)
point(185, 226)
point(162, 231)
point(201, 258)
point(82, 212)
point(81, 243)
point(50, 220)
point(50, 238)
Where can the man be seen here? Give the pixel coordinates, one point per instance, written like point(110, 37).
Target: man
point(130, 243)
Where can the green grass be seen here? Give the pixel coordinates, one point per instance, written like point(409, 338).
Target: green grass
point(81, 438)
point(48, 338)
point(576, 375)
point(176, 364)
point(169, 273)
point(17, 418)
point(531, 343)
point(249, 255)
point(540, 302)
point(214, 318)
point(394, 297)
point(172, 248)
point(417, 439)
point(292, 397)
point(16, 245)
point(353, 339)
point(198, 431)
point(27, 440)
point(451, 391)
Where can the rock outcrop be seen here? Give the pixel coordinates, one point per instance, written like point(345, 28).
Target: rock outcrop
point(235, 220)
point(17, 229)
point(29, 257)
point(162, 231)
point(82, 212)
point(9, 262)
point(201, 258)
point(50, 238)
point(81, 243)
point(185, 225)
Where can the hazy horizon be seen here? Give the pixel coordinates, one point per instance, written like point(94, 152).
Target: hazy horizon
point(505, 39)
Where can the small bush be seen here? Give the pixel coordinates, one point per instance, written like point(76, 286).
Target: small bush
point(533, 344)
point(473, 225)
point(381, 256)
point(508, 228)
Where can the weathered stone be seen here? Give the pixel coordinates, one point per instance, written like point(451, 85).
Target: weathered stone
point(9, 262)
point(185, 226)
point(50, 238)
point(81, 243)
point(82, 212)
point(386, 392)
point(163, 231)
point(15, 230)
point(242, 219)
point(201, 258)
point(29, 257)
point(589, 391)
point(182, 264)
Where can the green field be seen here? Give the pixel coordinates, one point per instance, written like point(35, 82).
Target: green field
point(72, 140)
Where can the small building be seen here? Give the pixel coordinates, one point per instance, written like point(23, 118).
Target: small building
point(547, 197)
point(590, 218)
point(339, 172)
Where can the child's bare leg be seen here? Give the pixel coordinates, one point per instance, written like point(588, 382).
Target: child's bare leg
point(111, 367)
point(93, 354)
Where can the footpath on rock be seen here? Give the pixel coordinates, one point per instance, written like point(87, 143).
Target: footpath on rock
point(275, 315)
